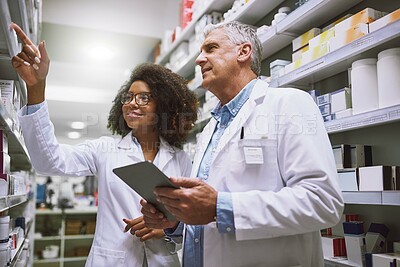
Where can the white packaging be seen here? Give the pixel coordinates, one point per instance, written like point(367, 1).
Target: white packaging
point(388, 69)
point(348, 181)
point(385, 259)
point(364, 91)
point(375, 178)
point(355, 247)
point(396, 247)
point(340, 100)
point(4, 227)
point(4, 254)
point(344, 113)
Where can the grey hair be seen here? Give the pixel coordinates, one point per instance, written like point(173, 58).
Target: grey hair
point(239, 33)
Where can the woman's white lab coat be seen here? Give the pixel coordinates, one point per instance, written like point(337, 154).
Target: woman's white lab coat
point(279, 206)
point(111, 246)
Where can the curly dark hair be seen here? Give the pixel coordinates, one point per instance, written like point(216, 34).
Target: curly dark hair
point(176, 104)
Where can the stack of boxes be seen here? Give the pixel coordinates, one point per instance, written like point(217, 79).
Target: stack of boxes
point(335, 105)
point(186, 13)
point(316, 43)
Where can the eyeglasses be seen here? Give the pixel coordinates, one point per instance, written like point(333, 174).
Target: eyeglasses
point(141, 99)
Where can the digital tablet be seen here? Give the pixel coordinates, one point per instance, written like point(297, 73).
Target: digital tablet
point(143, 177)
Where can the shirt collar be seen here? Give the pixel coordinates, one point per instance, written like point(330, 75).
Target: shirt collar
point(236, 103)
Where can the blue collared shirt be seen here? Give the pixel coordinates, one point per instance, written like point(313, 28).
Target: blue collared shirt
point(193, 249)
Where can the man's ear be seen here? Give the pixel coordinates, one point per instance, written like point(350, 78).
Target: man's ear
point(245, 52)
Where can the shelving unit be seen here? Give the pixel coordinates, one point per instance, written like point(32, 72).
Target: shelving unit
point(378, 128)
point(56, 221)
point(16, 205)
point(213, 5)
point(340, 60)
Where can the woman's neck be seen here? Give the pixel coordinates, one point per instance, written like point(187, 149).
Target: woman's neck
point(150, 144)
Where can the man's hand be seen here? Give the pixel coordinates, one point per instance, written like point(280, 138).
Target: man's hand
point(193, 203)
point(137, 227)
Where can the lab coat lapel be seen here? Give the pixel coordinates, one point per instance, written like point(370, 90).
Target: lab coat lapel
point(202, 145)
point(241, 118)
point(166, 153)
point(126, 145)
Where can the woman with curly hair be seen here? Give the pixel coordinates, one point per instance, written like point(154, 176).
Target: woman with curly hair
point(153, 113)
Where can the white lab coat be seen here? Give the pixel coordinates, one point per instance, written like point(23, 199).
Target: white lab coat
point(111, 246)
point(279, 206)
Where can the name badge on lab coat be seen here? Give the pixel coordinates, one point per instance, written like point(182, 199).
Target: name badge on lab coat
point(253, 155)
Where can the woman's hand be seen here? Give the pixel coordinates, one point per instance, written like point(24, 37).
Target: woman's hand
point(137, 228)
point(32, 65)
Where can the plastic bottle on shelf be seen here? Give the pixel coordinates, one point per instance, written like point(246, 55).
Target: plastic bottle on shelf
point(388, 68)
point(364, 81)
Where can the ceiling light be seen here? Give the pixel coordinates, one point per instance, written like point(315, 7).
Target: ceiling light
point(101, 53)
point(78, 125)
point(74, 135)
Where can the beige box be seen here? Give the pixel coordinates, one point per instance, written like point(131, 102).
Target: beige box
point(322, 38)
point(390, 18)
point(316, 52)
point(303, 39)
point(366, 16)
point(336, 22)
point(298, 54)
point(349, 36)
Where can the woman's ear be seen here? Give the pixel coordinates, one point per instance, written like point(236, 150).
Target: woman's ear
point(245, 52)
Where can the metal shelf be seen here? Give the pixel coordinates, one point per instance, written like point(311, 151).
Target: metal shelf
point(19, 14)
point(21, 245)
point(391, 198)
point(12, 201)
point(249, 13)
point(372, 118)
point(340, 262)
point(311, 14)
point(19, 156)
point(214, 5)
point(188, 66)
point(75, 237)
point(254, 10)
point(340, 60)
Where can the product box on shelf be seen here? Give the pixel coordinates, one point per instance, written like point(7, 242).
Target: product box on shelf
point(333, 246)
point(385, 259)
point(4, 184)
point(344, 38)
point(340, 100)
point(342, 154)
point(361, 156)
point(365, 16)
point(315, 52)
point(375, 178)
point(344, 113)
point(322, 38)
point(303, 39)
point(3, 142)
point(299, 53)
point(355, 242)
point(390, 18)
point(375, 237)
point(348, 180)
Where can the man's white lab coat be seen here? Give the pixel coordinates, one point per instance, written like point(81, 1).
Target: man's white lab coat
point(279, 206)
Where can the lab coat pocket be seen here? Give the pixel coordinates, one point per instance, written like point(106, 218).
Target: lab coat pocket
point(108, 257)
point(255, 165)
